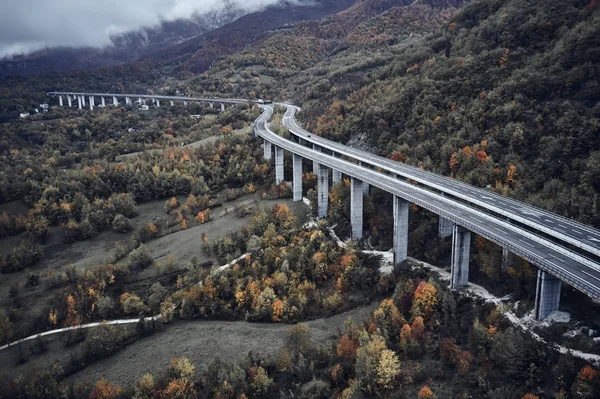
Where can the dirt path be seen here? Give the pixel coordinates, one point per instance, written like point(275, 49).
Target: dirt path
point(204, 341)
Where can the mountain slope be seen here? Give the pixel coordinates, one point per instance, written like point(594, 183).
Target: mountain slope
point(198, 54)
point(506, 95)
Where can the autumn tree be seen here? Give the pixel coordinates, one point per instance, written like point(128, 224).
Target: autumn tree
point(346, 349)
point(424, 301)
point(425, 393)
point(585, 384)
point(259, 380)
point(104, 390)
point(387, 369)
point(131, 303)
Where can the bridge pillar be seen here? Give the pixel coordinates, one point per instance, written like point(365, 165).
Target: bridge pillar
point(127, 101)
point(70, 101)
point(115, 101)
point(400, 230)
point(79, 102)
point(222, 107)
point(323, 188)
point(279, 165)
point(172, 103)
point(315, 163)
point(508, 258)
point(267, 149)
point(103, 101)
point(445, 227)
point(184, 102)
point(297, 178)
point(157, 102)
point(366, 186)
point(461, 245)
point(212, 105)
point(547, 294)
point(83, 100)
point(60, 101)
point(336, 175)
point(92, 104)
point(356, 208)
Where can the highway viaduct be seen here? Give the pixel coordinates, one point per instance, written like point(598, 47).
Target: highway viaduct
point(562, 249)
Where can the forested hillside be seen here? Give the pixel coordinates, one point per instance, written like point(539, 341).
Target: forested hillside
point(504, 95)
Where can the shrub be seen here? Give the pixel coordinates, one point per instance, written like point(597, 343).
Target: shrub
point(105, 306)
point(23, 256)
point(131, 303)
point(140, 258)
point(121, 224)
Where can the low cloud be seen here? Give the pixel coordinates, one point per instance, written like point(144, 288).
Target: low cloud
point(29, 25)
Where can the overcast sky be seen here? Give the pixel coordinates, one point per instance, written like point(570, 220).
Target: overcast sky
point(27, 25)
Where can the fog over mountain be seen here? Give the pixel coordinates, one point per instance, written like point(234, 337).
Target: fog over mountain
point(30, 25)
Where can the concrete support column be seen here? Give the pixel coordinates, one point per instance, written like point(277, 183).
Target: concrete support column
point(115, 101)
point(212, 105)
point(279, 165)
point(103, 102)
point(60, 101)
point(70, 101)
point(157, 102)
point(222, 107)
point(356, 208)
point(337, 175)
point(83, 100)
point(445, 227)
point(547, 295)
point(400, 230)
point(184, 103)
point(79, 101)
point(127, 101)
point(267, 148)
point(172, 103)
point(461, 246)
point(366, 186)
point(508, 258)
point(323, 188)
point(297, 178)
point(92, 103)
point(315, 163)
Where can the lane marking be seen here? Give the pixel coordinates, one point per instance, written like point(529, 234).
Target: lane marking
point(527, 243)
point(557, 258)
point(592, 276)
point(576, 231)
point(499, 229)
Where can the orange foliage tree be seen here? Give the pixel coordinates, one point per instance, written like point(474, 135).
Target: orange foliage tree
point(104, 390)
point(424, 300)
point(425, 393)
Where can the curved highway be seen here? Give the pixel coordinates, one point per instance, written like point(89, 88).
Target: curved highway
point(567, 230)
point(550, 257)
point(458, 202)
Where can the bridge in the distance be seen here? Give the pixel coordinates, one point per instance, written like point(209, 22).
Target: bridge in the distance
point(562, 249)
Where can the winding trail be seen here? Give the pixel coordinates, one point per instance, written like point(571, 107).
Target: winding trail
point(105, 322)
